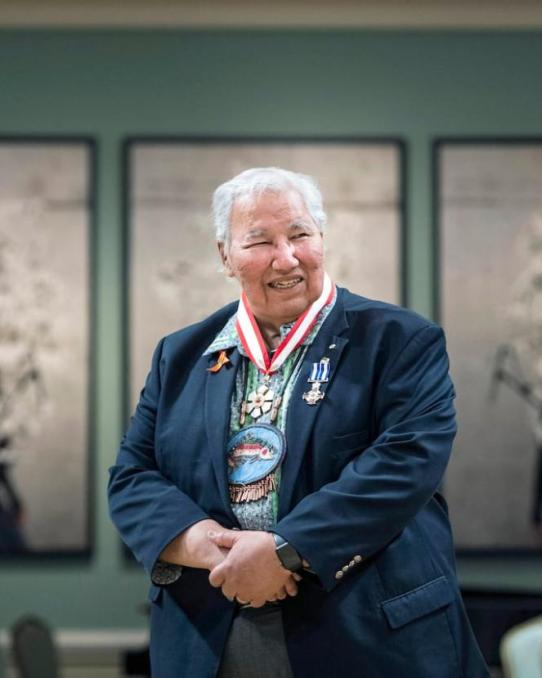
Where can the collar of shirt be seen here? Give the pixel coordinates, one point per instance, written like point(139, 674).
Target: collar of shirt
point(228, 337)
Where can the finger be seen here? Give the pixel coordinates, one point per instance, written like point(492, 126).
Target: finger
point(225, 539)
point(228, 591)
point(291, 587)
point(217, 576)
point(297, 576)
point(216, 557)
point(281, 594)
point(257, 602)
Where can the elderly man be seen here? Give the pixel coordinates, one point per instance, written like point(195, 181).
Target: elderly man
point(278, 480)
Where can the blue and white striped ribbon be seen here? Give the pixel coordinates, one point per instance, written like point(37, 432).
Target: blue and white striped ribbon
point(320, 371)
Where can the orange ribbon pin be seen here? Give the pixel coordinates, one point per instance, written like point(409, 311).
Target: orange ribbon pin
point(220, 362)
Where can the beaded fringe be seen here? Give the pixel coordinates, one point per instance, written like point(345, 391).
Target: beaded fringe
point(254, 491)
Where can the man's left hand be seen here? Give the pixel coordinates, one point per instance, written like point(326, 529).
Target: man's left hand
point(251, 571)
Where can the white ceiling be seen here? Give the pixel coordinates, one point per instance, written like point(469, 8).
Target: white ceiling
point(425, 14)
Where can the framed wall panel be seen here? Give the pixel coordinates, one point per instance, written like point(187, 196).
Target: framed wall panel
point(46, 214)
point(173, 269)
point(488, 212)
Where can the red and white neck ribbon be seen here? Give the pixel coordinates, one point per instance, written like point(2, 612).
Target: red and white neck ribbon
point(252, 340)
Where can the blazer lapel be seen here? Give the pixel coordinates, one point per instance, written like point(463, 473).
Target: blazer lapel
point(301, 416)
point(218, 394)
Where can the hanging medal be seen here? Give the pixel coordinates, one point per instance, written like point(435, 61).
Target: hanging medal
point(262, 400)
point(319, 375)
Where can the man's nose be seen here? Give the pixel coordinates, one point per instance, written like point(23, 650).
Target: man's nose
point(284, 257)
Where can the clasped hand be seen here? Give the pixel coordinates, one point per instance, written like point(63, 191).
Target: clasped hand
point(251, 571)
point(242, 563)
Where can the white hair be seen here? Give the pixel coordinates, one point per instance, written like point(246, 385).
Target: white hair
point(253, 182)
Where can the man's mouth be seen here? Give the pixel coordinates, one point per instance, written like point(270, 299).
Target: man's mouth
point(285, 284)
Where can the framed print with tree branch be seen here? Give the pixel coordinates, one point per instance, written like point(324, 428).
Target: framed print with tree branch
point(46, 200)
point(488, 216)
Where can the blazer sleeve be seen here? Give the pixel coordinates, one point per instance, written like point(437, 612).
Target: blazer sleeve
point(148, 510)
point(384, 487)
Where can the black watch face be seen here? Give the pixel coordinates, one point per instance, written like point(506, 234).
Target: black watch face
point(289, 557)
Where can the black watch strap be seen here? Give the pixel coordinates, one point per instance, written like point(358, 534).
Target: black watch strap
point(288, 556)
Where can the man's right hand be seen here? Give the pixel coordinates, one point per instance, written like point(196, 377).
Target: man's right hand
point(252, 572)
point(193, 548)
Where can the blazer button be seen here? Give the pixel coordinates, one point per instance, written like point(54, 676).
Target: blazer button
point(358, 559)
point(351, 563)
point(345, 568)
point(339, 574)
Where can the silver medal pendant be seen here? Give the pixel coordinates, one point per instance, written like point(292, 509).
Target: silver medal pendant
point(319, 375)
point(314, 395)
point(260, 401)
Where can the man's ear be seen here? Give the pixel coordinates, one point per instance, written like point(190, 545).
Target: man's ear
point(222, 250)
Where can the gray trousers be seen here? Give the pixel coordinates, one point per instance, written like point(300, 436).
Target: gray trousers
point(256, 646)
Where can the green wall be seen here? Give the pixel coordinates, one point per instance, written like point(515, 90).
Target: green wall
point(113, 83)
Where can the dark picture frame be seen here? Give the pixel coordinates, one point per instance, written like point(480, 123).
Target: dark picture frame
point(47, 227)
point(485, 217)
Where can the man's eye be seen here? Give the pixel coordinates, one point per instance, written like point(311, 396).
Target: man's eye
point(255, 244)
point(300, 235)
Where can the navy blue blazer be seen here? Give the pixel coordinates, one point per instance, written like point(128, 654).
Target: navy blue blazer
point(358, 499)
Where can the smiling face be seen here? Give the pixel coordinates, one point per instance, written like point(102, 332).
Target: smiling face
point(276, 252)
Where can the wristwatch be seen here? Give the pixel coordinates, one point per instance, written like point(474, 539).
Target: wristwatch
point(288, 556)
